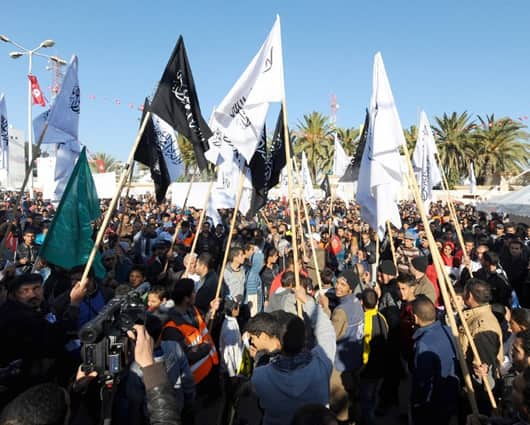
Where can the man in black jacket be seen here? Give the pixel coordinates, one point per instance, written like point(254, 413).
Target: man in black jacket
point(27, 251)
point(207, 286)
point(36, 338)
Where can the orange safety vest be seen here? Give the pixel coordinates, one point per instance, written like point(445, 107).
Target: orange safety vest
point(193, 336)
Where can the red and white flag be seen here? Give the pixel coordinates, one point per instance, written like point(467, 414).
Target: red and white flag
point(100, 165)
point(36, 93)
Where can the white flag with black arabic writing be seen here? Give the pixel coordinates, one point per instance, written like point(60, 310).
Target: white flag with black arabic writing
point(380, 173)
point(167, 140)
point(424, 160)
point(239, 118)
point(340, 159)
point(63, 116)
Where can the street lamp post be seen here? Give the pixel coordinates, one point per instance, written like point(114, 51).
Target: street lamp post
point(30, 53)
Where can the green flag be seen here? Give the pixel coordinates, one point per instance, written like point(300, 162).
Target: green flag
point(69, 239)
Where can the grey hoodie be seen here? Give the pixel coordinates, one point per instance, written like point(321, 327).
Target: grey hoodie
point(283, 390)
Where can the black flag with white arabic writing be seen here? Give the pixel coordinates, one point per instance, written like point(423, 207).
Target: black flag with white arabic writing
point(325, 186)
point(259, 170)
point(352, 172)
point(277, 156)
point(177, 103)
point(150, 154)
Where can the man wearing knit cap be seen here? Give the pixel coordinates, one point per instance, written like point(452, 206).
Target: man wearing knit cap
point(389, 307)
point(406, 252)
point(423, 285)
point(347, 319)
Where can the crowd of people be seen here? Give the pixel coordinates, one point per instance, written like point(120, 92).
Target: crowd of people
point(360, 335)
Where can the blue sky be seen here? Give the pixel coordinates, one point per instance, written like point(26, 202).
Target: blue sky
point(440, 56)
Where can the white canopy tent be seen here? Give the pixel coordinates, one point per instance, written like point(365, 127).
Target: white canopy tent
point(514, 203)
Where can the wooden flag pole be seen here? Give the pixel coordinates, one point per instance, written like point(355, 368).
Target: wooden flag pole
point(131, 172)
point(377, 248)
point(114, 201)
point(330, 225)
point(444, 284)
point(265, 218)
point(301, 229)
point(177, 229)
point(452, 213)
point(230, 232)
point(199, 226)
point(308, 224)
point(291, 203)
point(392, 247)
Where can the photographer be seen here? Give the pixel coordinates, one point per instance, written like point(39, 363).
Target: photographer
point(160, 395)
point(50, 404)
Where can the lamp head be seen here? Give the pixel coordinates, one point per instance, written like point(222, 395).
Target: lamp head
point(16, 55)
point(47, 43)
point(4, 38)
point(58, 60)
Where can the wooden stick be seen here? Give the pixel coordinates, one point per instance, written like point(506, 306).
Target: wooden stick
point(452, 213)
point(444, 284)
point(330, 225)
point(199, 226)
point(376, 249)
point(300, 226)
point(177, 229)
point(129, 182)
point(229, 240)
point(291, 203)
point(392, 247)
point(311, 244)
point(114, 201)
point(265, 218)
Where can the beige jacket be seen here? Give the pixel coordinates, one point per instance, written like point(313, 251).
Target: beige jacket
point(481, 319)
point(425, 287)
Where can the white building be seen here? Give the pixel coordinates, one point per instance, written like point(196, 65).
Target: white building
point(16, 161)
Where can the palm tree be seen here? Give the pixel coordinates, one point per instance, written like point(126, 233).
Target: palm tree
point(104, 162)
point(499, 147)
point(452, 133)
point(187, 153)
point(349, 138)
point(314, 137)
point(411, 136)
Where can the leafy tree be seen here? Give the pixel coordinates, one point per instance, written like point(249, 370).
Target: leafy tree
point(314, 137)
point(109, 162)
point(452, 134)
point(411, 136)
point(349, 138)
point(499, 147)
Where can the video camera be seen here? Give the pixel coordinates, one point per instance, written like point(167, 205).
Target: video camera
point(106, 347)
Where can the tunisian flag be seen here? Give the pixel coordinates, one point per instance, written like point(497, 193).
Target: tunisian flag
point(11, 242)
point(100, 165)
point(36, 93)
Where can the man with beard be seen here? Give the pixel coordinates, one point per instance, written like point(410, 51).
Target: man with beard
point(34, 336)
point(143, 244)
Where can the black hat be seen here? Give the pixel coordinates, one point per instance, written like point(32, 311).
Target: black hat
point(420, 263)
point(351, 277)
point(23, 279)
point(388, 267)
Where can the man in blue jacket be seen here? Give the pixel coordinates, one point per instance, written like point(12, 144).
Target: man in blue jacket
point(435, 380)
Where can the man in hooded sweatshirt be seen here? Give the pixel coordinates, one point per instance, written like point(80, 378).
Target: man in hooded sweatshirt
point(295, 375)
